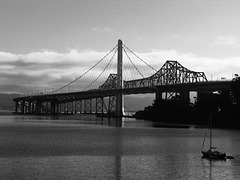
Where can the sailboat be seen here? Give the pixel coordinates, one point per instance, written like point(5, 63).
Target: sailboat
point(212, 153)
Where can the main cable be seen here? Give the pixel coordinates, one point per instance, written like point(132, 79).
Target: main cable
point(85, 72)
point(102, 71)
point(139, 58)
point(133, 63)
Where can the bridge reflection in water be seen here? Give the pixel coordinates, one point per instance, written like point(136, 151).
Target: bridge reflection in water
point(37, 149)
point(108, 98)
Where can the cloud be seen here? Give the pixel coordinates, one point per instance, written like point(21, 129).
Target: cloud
point(44, 69)
point(213, 67)
point(37, 71)
point(225, 40)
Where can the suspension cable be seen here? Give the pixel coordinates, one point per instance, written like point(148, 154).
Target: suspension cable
point(133, 63)
point(139, 58)
point(102, 71)
point(84, 72)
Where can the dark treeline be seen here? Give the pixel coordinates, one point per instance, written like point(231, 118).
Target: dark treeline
point(224, 106)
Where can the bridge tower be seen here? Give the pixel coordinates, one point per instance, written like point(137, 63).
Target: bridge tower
point(119, 96)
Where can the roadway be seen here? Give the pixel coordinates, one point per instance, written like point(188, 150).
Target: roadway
point(204, 87)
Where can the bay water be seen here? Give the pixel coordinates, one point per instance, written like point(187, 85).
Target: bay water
point(89, 147)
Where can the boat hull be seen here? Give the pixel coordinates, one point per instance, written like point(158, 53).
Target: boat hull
point(214, 155)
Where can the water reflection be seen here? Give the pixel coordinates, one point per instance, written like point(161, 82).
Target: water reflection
point(220, 169)
point(79, 149)
point(83, 120)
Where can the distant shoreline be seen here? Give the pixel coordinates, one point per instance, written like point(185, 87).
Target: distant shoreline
point(156, 124)
point(6, 112)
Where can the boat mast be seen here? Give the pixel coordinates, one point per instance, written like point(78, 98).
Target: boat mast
point(210, 130)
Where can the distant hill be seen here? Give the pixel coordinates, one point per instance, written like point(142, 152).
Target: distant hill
point(137, 103)
point(6, 101)
point(130, 102)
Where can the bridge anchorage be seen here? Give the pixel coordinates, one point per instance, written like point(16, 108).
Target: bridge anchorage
point(106, 97)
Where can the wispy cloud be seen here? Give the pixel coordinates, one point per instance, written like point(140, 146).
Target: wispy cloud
point(225, 40)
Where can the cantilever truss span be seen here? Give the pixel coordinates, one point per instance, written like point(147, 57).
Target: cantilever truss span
point(170, 73)
point(110, 83)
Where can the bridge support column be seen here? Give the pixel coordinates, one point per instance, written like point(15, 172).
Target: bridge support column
point(61, 108)
point(53, 106)
point(38, 107)
point(22, 106)
point(29, 107)
point(119, 105)
point(119, 96)
point(78, 106)
point(47, 107)
point(16, 107)
point(75, 107)
point(201, 96)
point(33, 107)
point(58, 108)
point(158, 95)
point(70, 107)
point(88, 106)
point(99, 105)
point(64, 106)
point(111, 105)
point(185, 96)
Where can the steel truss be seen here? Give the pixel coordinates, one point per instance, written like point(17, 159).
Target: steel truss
point(99, 105)
point(88, 106)
point(78, 107)
point(110, 83)
point(171, 72)
point(112, 105)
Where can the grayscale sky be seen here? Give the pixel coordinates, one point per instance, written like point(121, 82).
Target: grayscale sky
point(45, 42)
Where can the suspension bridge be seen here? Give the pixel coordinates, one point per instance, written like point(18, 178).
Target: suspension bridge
point(101, 88)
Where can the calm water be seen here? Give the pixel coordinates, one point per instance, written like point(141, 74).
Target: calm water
point(86, 147)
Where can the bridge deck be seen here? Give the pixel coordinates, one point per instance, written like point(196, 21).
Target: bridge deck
point(210, 86)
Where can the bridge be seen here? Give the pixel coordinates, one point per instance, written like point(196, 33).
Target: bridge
point(105, 94)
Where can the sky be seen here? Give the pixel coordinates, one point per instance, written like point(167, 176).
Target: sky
point(46, 44)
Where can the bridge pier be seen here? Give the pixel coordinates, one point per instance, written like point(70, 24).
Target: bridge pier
point(201, 96)
point(158, 95)
point(22, 107)
point(78, 107)
point(88, 106)
point(70, 107)
point(38, 107)
point(30, 107)
point(65, 105)
point(75, 107)
point(61, 108)
point(53, 106)
point(184, 95)
point(99, 105)
point(111, 105)
point(16, 107)
point(33, 107)
point(46, 107)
